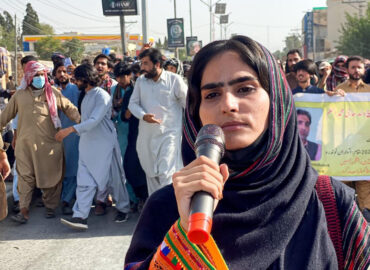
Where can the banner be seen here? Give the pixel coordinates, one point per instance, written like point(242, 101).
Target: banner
point(175, 32)
point(119, 7)
point(336, 133)
point(191, 45)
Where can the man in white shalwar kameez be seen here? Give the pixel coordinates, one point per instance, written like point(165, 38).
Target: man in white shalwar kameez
point(100, 162)
point(157, 101)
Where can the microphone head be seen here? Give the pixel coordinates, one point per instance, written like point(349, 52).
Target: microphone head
point(211, 134)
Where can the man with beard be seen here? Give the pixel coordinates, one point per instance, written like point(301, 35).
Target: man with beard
point(157, 101)
point(39, 155)
point(356, 70)
point(102, 64)
point(100, 161)
point(70, 143)
point(293, 57)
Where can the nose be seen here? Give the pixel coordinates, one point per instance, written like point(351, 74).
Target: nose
point(229, 103)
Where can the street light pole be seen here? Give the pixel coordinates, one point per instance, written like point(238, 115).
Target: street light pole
point(144, 22)
point(176, 49)
point(15, 52)
point(191, 20)
point(123, 37)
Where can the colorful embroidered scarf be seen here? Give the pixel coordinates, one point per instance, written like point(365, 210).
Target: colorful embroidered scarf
point(107, 83)
point(31, 69)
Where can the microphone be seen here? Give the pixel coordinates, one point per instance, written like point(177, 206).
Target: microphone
point(210, 142)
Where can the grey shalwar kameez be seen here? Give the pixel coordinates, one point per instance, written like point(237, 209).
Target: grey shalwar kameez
point(100, 161)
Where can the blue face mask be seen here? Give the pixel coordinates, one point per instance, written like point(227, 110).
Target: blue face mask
point(38, 82)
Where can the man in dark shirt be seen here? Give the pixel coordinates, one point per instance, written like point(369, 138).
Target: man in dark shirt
point(305, 69)
point(304, 123)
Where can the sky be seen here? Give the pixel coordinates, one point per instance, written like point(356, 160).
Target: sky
point(267, 21)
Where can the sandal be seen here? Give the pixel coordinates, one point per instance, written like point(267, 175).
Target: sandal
point(20, 218)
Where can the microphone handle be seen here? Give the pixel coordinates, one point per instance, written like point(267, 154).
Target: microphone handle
point(202, 203)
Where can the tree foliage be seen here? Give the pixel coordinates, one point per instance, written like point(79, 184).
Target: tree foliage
point(31, 24)
point(46, 46)
point(355, 35)
point(46, 29)
point(293, 41)
point(7, 28)
point(74, 48)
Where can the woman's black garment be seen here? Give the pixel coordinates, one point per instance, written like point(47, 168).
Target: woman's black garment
point(270, 216)
point(134, 172)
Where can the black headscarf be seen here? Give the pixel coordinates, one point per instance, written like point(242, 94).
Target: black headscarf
point(270, 198)
point(270, 216)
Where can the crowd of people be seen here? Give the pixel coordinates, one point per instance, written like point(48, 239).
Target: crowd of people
point(120, 131)
point(81, 131)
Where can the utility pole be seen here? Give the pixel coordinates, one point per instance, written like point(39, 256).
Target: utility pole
point(174, 8)
point(144, 22)
point(191, 20)
point(123, 34)
point(15, 52)
point(211, 21)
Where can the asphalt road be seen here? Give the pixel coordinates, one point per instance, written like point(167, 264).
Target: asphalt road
point(47, 244)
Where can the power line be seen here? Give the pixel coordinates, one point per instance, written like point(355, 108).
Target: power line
point(70, 12)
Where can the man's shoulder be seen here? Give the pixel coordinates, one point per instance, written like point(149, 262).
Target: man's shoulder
point(343, 85)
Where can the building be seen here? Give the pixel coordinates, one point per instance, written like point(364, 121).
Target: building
point(321, 27)
point(337, 10)
point(93, 43)
point(315, 32)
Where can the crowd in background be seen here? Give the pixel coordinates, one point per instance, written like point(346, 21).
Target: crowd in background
point(118, 78)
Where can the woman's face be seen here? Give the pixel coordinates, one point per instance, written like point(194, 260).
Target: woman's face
point(232, 98)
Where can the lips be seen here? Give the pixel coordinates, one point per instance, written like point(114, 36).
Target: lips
point(234, 125)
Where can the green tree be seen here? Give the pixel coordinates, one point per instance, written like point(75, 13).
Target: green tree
point(74, 48)
point(293, 41)
point(46, 46)
point(158, 44)
point(31, 24)
point(7, 31)
point(46, 29)
point(355, 35)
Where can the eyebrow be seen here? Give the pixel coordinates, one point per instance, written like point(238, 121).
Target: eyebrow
point(230, 83)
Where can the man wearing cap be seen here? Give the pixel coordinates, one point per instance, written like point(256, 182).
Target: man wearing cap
point(324, 71)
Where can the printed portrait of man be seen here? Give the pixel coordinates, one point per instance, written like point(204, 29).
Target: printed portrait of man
point(304, 123)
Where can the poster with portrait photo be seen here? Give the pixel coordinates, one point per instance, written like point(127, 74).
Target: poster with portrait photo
point(310, 130)
point(175, 32)
point(190, 45)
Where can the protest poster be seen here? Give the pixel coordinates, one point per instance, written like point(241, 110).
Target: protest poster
point(338, 135)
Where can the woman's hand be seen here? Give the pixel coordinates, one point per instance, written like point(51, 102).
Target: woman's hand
point(200, 175)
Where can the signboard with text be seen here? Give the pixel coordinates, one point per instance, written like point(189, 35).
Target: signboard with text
point(119, 7)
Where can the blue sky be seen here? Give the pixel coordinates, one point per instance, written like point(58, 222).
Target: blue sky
point(267, 21)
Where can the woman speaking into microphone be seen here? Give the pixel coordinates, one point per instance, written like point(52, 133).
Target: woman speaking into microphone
point(272, 210)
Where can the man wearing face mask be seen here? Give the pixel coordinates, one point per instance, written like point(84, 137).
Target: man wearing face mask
point(39, 155)
point(157, 101)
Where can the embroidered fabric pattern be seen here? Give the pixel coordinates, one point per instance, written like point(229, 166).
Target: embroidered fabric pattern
point(356, 244)
point(177, 252)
